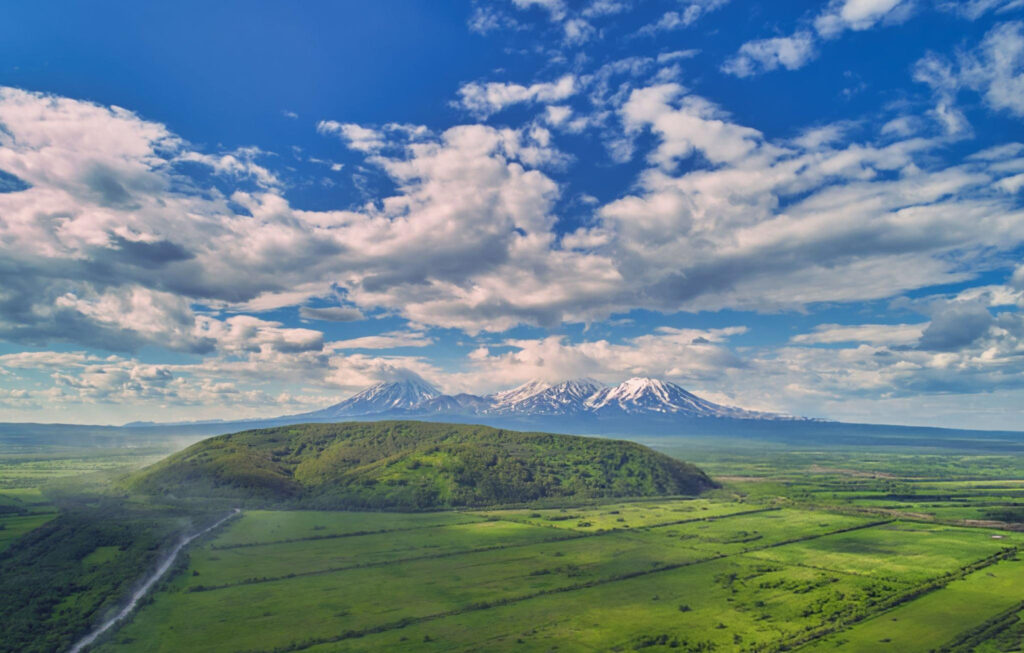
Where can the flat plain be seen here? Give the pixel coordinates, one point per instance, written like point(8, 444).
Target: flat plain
point(800, 550)
point(682, 574)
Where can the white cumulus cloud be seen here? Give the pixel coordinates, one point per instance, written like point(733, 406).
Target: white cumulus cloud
point(765, 55)
point(484, 99)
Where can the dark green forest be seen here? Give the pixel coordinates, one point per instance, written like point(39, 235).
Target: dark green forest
point(60, 579)
point(413, 466)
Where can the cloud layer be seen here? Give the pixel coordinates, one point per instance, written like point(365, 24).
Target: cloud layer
point(138, 268)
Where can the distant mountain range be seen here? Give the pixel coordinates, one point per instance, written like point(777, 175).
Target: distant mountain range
point(638, 409)
point(637, 397)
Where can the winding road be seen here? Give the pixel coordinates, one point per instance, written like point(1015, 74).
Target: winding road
point(146, 587)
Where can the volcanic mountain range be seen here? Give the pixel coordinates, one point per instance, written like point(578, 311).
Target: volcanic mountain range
point(637, 396)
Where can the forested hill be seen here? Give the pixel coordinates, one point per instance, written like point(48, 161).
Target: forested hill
point(414, 465)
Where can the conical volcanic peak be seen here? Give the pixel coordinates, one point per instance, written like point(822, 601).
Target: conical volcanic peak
point(388, 396)
point(642, 395)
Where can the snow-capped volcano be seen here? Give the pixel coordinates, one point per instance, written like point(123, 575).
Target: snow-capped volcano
point(582, 398)
point(540, 398)
point(641, 395)
point(389, 396)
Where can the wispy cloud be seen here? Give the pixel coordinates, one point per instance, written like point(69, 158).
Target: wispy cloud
point(994, 69)
point(690, 13)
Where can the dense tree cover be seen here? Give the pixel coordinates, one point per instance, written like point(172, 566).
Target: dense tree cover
point(59, 580)
point(414, 465)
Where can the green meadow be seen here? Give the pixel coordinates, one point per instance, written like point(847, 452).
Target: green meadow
point(262, 526)
point(798, 551)
point(719, 578)
point(899, 551)
point(624, 515)
point(939, 619)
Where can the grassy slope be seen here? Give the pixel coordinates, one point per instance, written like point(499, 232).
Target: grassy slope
point(415, 465)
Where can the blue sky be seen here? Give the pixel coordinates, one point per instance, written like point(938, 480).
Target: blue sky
point(257, 208)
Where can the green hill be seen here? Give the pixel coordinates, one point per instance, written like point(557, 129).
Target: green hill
point(414, 465)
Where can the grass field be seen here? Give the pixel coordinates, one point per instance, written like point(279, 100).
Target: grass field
point(936, 619)
point(234, 565)
point(900, 552)
point(625, 515)
point(28, 471)
point(263, 526)
point(811, 551)
point(740, 579)
point(728, 604)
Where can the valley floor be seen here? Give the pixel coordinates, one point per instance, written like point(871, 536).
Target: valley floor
point(910, 551)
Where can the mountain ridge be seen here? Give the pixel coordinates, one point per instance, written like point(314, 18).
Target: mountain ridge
point(637, 396)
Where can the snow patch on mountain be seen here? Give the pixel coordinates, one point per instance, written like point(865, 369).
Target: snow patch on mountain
point(460, 404)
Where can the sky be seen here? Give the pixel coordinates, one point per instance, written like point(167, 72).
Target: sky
point(240, 209)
